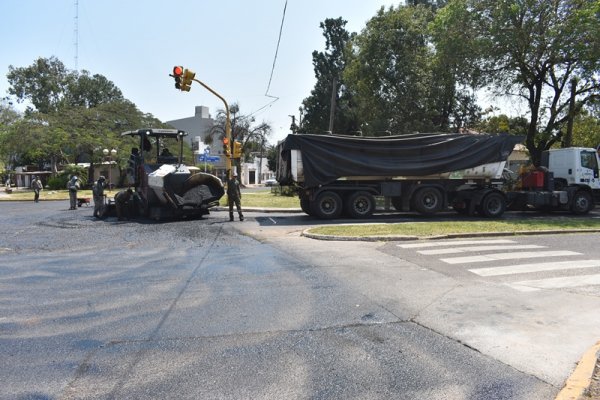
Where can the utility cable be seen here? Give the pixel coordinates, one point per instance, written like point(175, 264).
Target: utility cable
point(276, 51)
point(274, 98)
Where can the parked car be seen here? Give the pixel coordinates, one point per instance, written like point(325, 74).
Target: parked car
point(270, 182)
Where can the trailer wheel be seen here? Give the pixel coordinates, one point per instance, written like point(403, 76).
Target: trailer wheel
point(427, 200)
point(360, 205)
point(328, 205)
point(493, 205)
point(582, 202)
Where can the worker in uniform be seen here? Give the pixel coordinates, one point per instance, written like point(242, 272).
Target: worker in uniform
point(98, 191)
point(36, 185)
point(122, 199)
point(73, 186)
point(234, 195)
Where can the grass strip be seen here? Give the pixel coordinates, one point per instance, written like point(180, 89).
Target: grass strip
point(425, 229)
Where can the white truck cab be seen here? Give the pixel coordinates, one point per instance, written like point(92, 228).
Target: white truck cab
point(576, 165)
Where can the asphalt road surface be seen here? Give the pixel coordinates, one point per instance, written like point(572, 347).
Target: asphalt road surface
point(207, 309)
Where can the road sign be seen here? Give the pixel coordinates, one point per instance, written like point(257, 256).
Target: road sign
point(210, 159)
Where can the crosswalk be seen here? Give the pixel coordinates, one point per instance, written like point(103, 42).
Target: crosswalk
point(493, 257)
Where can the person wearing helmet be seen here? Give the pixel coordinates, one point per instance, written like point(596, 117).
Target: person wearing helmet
point(73, 186)
point(98, 192)
point(234, 196)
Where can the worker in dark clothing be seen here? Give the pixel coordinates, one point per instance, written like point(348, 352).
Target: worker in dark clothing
point(98, 192)
point(234, 196)
point(36, 185)
point(122, 199)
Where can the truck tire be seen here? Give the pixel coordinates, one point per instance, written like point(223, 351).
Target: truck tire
point(427, 201)
point(582, 202)
point(327, 205)
point(305, 205)
point(493, 205)
point(360, 205)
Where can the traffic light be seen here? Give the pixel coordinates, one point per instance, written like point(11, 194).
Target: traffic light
point(177, 74)
point(187, 78)
point(237, 149)
point(226, 147)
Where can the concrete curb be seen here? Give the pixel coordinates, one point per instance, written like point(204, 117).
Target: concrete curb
point(581, 378)
point(260, 209)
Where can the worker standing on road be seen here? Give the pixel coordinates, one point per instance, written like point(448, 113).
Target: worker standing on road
point(73, 186)
point(234, 195)
point(98, 191)
point(37, 186)
point(122, 199)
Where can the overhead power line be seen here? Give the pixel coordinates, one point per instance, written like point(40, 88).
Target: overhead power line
point(276, 50)
point(274, 98)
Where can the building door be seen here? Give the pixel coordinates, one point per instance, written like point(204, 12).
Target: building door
point(252, 177)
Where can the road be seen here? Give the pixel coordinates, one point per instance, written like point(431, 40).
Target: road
point(217, 310)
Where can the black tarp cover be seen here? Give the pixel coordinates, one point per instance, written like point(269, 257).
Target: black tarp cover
point(326, 158)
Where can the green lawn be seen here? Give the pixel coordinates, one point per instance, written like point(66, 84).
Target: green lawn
point(427, 229)
point(46, 194)
point(264, 199)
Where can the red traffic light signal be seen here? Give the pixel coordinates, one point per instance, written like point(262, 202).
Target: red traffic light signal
point(177, 70)
point(226, 147)
point(177, 74)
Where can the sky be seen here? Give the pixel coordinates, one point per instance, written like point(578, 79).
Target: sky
point(230, 45)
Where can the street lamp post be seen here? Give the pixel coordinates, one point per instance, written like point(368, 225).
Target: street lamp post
point(110, 155)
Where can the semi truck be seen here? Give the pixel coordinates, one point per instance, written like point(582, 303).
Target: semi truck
point(164, 186)
point(337, 175)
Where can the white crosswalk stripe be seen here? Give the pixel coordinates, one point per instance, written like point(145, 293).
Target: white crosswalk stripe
point(455, 250)
point(454, 243)
point(509, 256)
point(539, 267)
point(557, 283)
point(486, 251)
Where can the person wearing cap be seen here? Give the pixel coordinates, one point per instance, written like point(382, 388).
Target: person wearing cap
point(73, 186)
point(234, 195)
point(98, 192)
point(37, 186)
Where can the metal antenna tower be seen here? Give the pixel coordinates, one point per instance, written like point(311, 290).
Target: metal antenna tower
point(76, 34)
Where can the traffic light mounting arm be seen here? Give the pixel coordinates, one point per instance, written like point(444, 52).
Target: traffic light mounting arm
point(183, 80)
point(227, 121)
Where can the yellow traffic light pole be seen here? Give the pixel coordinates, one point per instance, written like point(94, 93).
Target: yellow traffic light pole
point(228, 162)
point(183, 80)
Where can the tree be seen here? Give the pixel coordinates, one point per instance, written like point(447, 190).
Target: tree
point(252, 137)
point(390, 71)
point(8, 118)
point(403, 77)
point(49, 86)
point(544, 52)
point(74, 116)
point(330, 86)
point(586, 130)
point(502, 123)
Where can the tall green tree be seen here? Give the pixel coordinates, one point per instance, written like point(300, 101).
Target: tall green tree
point(49, 86)
point(72, 117)
point(330, 85)
point(391, 71)
point(546, 52)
